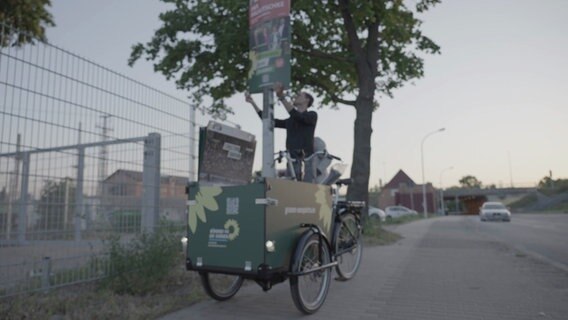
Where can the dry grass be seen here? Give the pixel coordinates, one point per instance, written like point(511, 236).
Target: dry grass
point(180, 289)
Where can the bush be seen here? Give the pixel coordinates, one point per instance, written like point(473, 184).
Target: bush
point(404, 219)
point(374, 234)
point(139, 266)
point(526, 201)
point(126, 221)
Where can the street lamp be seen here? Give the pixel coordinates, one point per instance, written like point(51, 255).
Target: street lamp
point(442, 189)
point(424, 202)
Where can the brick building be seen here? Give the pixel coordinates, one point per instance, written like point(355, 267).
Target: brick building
point(402, 190)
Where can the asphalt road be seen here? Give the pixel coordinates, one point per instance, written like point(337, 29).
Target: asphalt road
point(542, 235)
point(445, 268)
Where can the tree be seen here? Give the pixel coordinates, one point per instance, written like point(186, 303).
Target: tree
point(340, 49)
point(22, 21)
point(550, 183)
point(375, 189)
point(56, 204)
point(470, 181)
point(546, 182)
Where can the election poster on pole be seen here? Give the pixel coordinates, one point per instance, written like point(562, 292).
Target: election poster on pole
point(269, 44)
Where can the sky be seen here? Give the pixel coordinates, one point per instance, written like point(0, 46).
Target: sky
point(498, 88)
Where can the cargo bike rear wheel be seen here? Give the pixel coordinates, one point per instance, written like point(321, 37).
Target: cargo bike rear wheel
point(219, 286)
point(348, 245)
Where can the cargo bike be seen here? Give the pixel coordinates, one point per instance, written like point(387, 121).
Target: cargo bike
point(273, 230)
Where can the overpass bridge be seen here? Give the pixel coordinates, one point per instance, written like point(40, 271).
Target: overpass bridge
point(468, 200)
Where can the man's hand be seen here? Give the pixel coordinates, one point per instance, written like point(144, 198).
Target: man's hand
point(279, 89)
point(248, 98)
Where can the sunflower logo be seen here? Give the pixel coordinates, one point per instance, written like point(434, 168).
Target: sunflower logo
point(204, 199)
point(233, 227)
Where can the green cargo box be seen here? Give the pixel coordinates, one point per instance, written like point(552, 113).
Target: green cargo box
point(228, 227)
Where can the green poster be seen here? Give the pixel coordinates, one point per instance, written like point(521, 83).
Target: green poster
point(269, 44)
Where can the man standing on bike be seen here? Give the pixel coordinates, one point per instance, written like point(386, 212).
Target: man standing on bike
point(300, 128)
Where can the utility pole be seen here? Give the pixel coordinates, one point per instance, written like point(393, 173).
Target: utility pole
point(424, 200)
point(268, 170)
point(510, 168)
point(103, 153)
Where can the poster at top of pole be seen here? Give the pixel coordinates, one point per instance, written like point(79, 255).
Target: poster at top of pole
point(269, 43)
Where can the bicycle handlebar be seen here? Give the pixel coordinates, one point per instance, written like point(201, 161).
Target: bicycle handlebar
point(325, 153)
point(284, 153)
point(334, 157)
point(346, 182)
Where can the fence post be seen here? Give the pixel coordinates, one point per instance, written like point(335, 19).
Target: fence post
point(79, 205)
point(151, 182)
point(13, 187)
point(46, 274)
point(23, 209)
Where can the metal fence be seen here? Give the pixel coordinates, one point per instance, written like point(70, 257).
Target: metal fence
point(84, 152)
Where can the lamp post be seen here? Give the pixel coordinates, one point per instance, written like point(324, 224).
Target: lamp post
point(424, 202)
point(442, 189)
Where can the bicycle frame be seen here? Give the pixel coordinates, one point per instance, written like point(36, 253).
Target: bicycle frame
point(290, 161)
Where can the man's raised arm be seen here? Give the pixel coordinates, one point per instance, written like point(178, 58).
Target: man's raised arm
point(250, 100)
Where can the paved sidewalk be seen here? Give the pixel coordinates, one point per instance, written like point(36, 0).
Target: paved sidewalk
point(442, 269)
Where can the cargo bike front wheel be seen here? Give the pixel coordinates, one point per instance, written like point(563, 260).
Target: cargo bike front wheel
point(312, 275)
point(219, 286)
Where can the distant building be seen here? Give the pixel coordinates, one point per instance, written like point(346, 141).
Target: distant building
point(402, 190)
point(122, 193)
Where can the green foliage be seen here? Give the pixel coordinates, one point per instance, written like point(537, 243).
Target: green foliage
point(374, 234)
point(22, 21)
point(528, 200)
point(203, 45)
point(546, 182)
point(470, 181)
point(559, 208)
point(375, 189)
point(403, 219)
point(558, 185)
point(139, 266)
point(57, 199)
point(126, 221)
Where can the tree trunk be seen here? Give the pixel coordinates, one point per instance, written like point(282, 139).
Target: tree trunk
point(361, 165)
point(366, 59)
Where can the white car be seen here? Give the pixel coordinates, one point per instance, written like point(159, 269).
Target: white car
point(376, 213)
point(494, 211)
point(399, 211)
